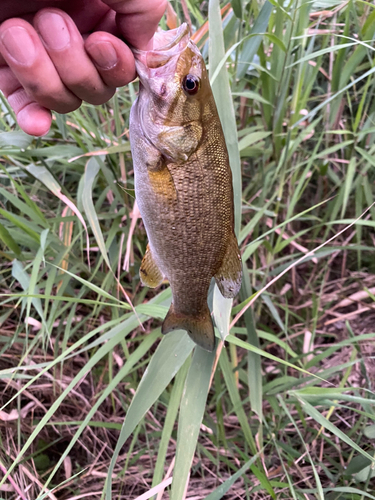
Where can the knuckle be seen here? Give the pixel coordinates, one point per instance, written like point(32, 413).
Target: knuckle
point(18, 99)
point(121, 76)
point(53, 97)
point(64, 108)
point(89, 87)
point(8, 82)
point(100, 98)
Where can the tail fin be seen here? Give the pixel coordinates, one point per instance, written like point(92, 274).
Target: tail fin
point(199, 328)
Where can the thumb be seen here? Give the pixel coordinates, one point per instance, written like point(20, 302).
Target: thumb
point(138, 19)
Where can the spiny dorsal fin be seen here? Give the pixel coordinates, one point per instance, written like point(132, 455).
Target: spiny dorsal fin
point(149, 272)
point(229, 276)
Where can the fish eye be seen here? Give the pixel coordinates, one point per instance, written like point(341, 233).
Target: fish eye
point(190, 84)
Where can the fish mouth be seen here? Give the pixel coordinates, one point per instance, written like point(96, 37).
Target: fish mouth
point(166, 45)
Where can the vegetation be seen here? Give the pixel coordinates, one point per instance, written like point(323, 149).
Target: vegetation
point(94, 403)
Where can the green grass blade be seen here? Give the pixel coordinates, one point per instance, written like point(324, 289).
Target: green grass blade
point(15, 138)
point(223, 98)
point(251, 47)
point(226, 486)
point(234, 394)
point(127, 326)
point(353, 492)
point(30, 203)
point(24, 208)
point(170, 355)
point(20, 274)
point(91, 171)
point(191, 413)
point(324, 422)
point(254, 367)
point(348, 184)
point(252, 348)
point(143, 348)
point(222, 310)
point(170, 418)
point(21, 223)
point(320, 493)
point(94, 288)
point(8, 240)
point(313, 112)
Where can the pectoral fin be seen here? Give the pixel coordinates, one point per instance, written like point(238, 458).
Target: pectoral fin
point(178, 143)
point(229, 276)
point(149, 272)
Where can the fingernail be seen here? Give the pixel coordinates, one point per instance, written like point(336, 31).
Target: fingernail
point(104, 54)
point(54, 30)
point(19, 45)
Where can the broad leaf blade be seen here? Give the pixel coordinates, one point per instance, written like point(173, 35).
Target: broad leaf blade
point(223, 98)
point(171, 354)
point(251, 47)
point(191, 413)
point(170, 418)
point(7, 238)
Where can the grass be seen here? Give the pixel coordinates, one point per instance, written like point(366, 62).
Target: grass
point(286, 408)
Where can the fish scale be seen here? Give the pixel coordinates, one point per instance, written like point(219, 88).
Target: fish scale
point(183, 183)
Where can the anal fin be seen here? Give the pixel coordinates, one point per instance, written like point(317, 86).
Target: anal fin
point(149, 271)
point(229, 276)
point(199, 327)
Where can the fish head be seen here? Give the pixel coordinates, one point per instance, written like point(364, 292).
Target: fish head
point(174, 93)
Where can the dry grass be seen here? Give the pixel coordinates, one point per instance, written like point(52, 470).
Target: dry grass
point(84, 470)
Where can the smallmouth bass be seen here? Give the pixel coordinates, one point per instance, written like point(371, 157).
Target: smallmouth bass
point(183, 183)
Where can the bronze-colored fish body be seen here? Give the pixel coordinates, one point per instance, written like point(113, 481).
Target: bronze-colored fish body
point(183, 183)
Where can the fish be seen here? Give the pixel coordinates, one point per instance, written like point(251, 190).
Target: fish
point(183, 183)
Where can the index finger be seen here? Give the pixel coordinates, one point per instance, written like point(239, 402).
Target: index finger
point(138, 19)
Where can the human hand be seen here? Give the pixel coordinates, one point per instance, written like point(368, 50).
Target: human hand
point(54, 58)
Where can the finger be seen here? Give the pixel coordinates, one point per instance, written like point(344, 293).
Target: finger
point(65, 47)
point(138, 19)
point(112, 58)
point(31, 117)
point(25, 55)
point(107, 23)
